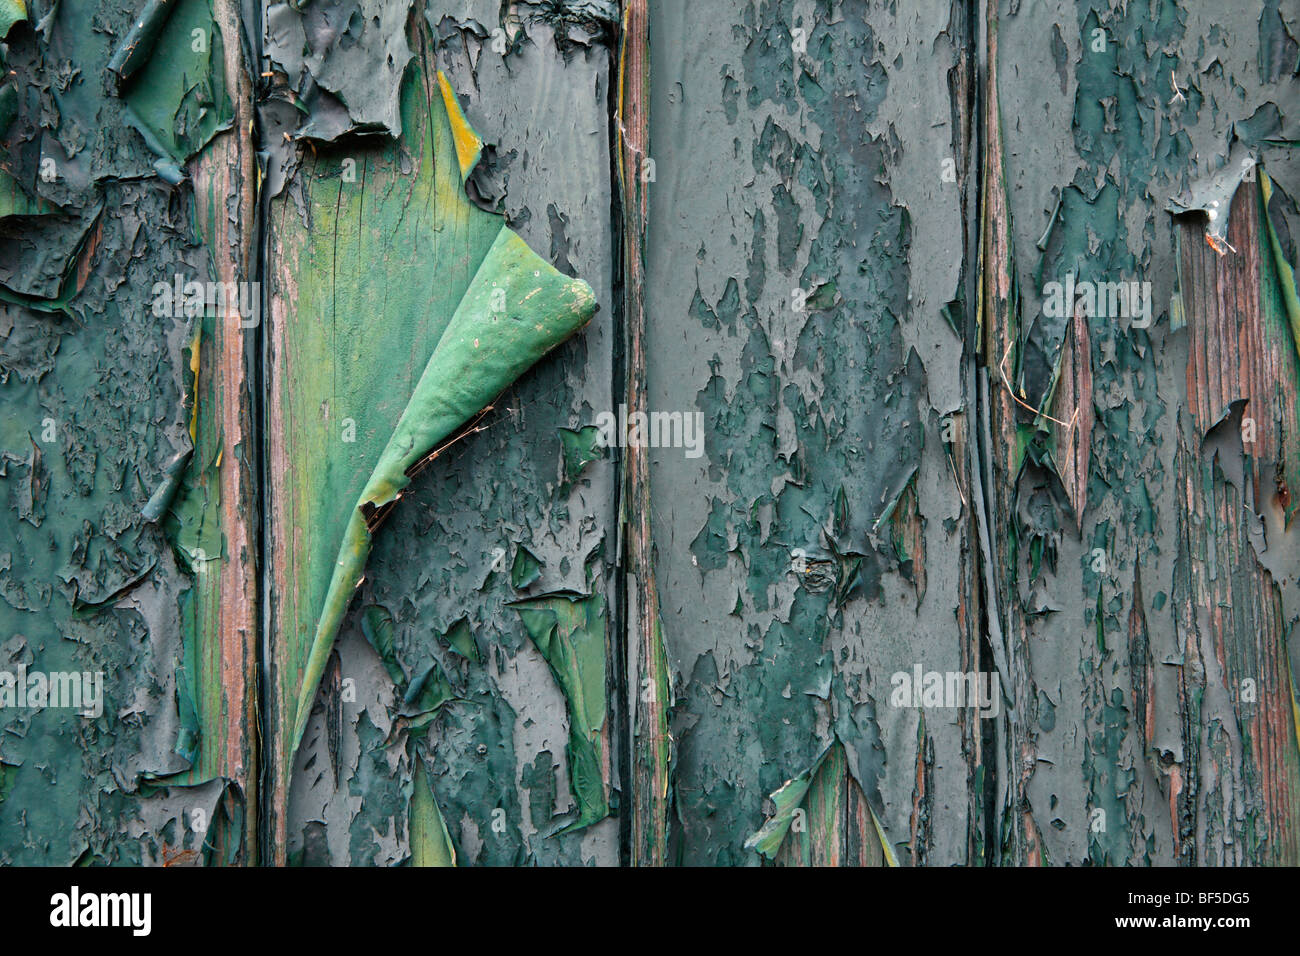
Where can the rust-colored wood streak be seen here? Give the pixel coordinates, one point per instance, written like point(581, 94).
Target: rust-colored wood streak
point(224, 177)
point(999, 325)
point(1232, 789)
point(1234, 796)
point(1239, 349)
point(1074, 414)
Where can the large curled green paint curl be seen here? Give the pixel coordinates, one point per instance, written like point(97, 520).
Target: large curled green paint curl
point(517, 308)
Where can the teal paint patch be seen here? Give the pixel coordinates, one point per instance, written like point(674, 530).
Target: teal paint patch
point(384, 799)
point(177, 99)
point(539, 780)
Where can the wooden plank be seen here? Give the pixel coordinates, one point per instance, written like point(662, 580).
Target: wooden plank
point(804, 238)
point(507, 526)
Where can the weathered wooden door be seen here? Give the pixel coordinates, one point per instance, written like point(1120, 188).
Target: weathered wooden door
point(730, 432)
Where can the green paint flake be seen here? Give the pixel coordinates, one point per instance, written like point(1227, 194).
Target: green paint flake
point(428, 692)
point(430, 842)
point(460, 637)
point(569, 632)
point(525, 569)
point(789, 798)
point(377, 627)
point(579, 447)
